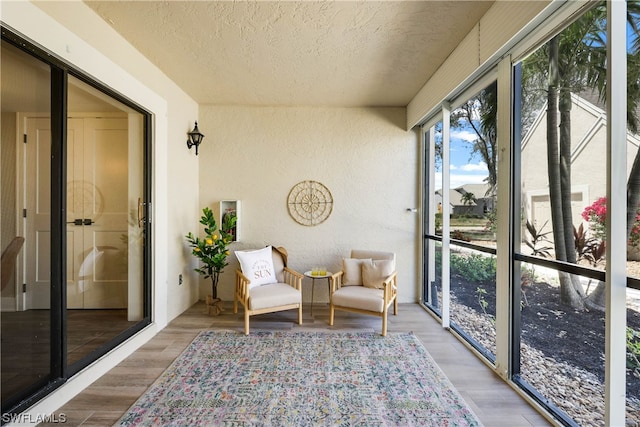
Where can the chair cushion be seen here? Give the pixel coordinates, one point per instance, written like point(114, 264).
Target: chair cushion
point(375, 271)
point(257, 265)
point(365, 253)
point(359, 297)
point(273, 295)
point(352, 268)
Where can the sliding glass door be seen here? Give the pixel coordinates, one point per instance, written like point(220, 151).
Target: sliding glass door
point(460, 199)
point(26, 333)
point(105, 181)
point(75, 192)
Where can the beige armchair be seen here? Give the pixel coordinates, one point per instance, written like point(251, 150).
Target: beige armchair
point(264, 284)
point(367, 284)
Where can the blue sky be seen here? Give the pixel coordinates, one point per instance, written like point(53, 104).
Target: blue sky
point(463, 169)
point(467, 169)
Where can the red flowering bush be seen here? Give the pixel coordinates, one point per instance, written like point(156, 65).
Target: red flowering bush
point(596, 215)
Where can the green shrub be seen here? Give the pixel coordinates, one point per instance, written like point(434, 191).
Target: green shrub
point(476, 268)
point(633, 351)
point(438, 221)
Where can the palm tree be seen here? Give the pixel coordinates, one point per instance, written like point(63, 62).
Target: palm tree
point(571, 62)
point(598, 79)
point(480, 113)
point(468, 199)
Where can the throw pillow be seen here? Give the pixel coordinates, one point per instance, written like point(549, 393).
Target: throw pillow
point(257, 265)
point(375, 271)
point(352, 268)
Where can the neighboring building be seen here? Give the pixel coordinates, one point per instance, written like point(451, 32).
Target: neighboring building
point(588, 171)
point(480, 204)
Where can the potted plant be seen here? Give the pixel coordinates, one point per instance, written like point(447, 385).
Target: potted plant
point(229, 222)
point(212, 252)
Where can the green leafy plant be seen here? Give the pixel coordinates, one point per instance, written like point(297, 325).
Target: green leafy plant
point(212, 250)
point(475, 268)
point(587, 247)
point(538, 237)
point(438, 222)
point(528, 276)
point(229, 221)
point(481, 294)
point(633, 351)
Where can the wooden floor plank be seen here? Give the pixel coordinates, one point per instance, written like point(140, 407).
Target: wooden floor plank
point(494, 401)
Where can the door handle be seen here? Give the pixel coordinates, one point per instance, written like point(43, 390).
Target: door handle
point(140, 213)
point(81, 221)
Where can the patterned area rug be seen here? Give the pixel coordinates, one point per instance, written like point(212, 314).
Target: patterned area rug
point(302, 379)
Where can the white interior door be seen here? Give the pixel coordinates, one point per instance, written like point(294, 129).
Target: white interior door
point(97, 205)
point(36, 160)
point(97, 215)
point(75, 198)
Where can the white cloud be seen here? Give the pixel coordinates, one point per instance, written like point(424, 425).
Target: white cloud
point(464, 135)
point(471, 167)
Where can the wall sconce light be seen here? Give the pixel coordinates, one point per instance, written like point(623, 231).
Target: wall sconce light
point(195, 138)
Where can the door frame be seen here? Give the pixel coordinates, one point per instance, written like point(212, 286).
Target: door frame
point(60, 371)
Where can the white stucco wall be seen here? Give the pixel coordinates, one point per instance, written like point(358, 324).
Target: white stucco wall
point(363, 155)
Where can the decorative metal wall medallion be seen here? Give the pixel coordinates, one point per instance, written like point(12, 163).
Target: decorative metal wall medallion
point(310, 203)
point(85, 200)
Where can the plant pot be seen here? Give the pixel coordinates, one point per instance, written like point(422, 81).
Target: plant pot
point(214, 305)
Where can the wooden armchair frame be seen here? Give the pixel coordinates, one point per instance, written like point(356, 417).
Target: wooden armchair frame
point(389, 295)
point(243, 295)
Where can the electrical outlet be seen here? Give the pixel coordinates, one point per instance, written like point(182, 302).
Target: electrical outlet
point(179, 279)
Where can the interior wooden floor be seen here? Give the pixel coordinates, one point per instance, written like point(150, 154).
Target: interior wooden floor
point(26, 342)
point(493, 401)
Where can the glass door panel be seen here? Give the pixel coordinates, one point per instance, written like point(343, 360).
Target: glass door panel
point(25, 316)
point(50, 332)
point(633, 222)
point(104, 242)
point(563, 181)
point(472, 199)
point(432, 288)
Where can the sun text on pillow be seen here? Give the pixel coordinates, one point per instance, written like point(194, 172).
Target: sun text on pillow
point(257, 265)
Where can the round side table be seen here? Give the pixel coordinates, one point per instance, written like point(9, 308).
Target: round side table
point(314, 277)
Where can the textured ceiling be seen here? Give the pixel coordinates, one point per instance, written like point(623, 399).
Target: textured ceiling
point(300, 53)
